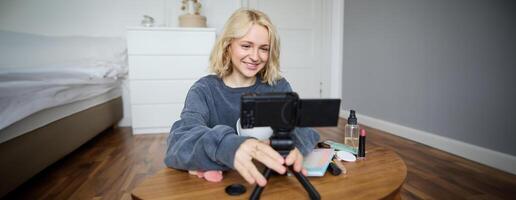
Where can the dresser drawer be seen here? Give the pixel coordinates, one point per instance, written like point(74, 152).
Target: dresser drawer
point(167, 67)
point(164, 62)
point(159, 91)
point(155, 116)
point(160, 42)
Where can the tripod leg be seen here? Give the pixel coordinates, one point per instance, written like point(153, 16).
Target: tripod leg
point(258, 189)
point(312, 192)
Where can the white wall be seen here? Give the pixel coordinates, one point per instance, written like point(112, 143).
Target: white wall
point(102, 18)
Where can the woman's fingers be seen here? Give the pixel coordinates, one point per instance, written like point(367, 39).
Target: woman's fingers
point(265, 154)
point(253, 149)
point(292, 156)
point(269, 151)
point(253, 171)
point(244, 173)
point(295, 158)
point(269, 157)
point(298, 163)
point(304, 172)
point(250, 173)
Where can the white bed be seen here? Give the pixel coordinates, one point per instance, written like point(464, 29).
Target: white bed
point(55, 94)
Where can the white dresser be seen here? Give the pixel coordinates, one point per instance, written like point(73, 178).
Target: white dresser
point(163, 63)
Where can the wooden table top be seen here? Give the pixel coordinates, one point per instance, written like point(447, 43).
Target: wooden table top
point(379, 176)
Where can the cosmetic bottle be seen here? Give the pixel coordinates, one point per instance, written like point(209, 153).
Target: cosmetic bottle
point(361, 145)
point(351, 131)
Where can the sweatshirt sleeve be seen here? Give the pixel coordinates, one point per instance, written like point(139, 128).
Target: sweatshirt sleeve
point(192, 145)
point(305, 139)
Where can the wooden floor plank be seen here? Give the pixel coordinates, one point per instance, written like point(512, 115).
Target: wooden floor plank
point(114, 162)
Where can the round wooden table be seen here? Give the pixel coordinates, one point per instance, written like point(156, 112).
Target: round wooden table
point(379, 176)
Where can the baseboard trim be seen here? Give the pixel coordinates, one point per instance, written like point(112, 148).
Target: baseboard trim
point(157, 130)
point(499, 160)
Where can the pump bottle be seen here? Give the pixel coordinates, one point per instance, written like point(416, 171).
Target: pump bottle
point(351, 131)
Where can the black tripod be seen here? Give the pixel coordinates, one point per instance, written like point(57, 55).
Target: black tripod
point(281, 141)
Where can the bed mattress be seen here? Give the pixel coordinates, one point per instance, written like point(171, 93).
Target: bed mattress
point(24, 92)
point(38, 73)
point(46, 116)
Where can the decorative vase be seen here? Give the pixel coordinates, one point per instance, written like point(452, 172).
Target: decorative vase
point(192, 20)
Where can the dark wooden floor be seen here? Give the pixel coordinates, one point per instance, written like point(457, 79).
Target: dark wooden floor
point(113, 163)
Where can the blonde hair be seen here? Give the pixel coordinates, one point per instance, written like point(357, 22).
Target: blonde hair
point(237, 26)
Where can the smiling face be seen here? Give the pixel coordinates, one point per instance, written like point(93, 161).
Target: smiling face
point(248, 47)
point(249, 54)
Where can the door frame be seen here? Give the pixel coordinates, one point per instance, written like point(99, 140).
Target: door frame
point(333, 48)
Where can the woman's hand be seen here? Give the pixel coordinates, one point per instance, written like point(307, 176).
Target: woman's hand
point(262, 152)
point(295, 157)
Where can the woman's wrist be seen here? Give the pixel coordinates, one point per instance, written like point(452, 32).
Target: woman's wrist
point(227, 148)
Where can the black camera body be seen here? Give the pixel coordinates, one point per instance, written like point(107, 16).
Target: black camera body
point(285, 111)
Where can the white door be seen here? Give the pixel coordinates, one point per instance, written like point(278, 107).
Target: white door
point(299, 23)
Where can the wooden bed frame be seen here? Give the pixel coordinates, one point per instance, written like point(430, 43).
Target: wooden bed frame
point(26, 155)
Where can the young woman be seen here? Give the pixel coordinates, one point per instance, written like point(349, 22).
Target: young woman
point(245, 59)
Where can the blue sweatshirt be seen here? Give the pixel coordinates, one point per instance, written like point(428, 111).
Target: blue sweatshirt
point(205, 137)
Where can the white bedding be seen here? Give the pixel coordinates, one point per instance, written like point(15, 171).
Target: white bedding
point(28, 91)
point(49, 115)
point(39, 72)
